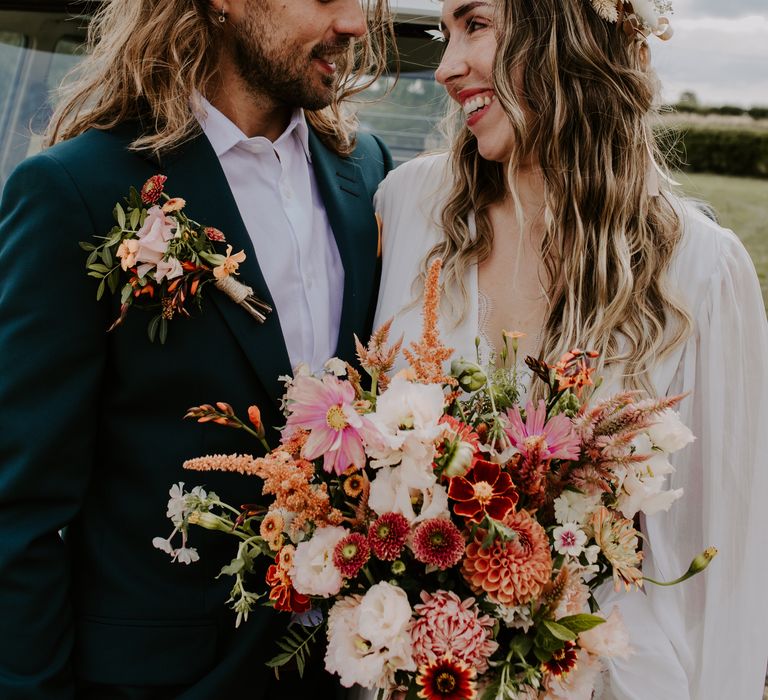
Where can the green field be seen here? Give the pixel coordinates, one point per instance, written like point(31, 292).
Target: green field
point(741, 205)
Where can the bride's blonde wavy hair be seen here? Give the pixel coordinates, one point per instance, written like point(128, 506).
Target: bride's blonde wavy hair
point(607, 243)
point(147, 59)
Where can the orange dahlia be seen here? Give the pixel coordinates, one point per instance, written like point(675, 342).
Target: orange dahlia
point(512, 572)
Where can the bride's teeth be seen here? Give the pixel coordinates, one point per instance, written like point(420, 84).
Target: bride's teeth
point(475, 103)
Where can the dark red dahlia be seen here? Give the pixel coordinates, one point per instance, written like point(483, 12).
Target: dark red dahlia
point(152, 189)
point(438, 542)
point(351, 554)
point(388, 534)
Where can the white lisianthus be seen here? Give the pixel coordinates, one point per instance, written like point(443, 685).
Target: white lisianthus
point(313, 571)
point(669, 433)
point(518, 617)
point(575, 507)
point(609, 639)
point(355, 657)
point(646, 11)
point(569, 539)
point(407, 423)
point(397, 489)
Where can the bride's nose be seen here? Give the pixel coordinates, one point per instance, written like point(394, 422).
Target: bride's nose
point(453, 65)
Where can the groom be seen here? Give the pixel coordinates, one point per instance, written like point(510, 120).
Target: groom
point(237, 102)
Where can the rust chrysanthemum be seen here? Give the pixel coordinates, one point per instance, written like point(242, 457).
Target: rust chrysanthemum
point(447, 679)
point(438, 542)
point(562, 661)
point(152, 189)
point(387, 535)
point(213, 234)
point(351, 554)
point(512, 572)
point(483, 490)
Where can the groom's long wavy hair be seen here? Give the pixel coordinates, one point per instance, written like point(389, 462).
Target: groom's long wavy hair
point(607, 244)
point(147, 58)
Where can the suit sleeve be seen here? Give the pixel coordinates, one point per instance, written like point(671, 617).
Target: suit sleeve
point(386, 156)
point(52, 338)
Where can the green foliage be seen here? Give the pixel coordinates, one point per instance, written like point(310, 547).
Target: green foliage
point(297, 646)
point(726, 151)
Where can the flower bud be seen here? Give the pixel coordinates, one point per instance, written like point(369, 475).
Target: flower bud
point(398, 567)
point(460, 459)
point(470, 375)
point(254, 415)
point(207, 520)
point(701, 561)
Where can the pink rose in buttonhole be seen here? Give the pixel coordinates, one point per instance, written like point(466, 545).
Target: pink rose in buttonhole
point(153, 237)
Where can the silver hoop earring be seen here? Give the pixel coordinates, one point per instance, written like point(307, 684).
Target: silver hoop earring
point(222, 16)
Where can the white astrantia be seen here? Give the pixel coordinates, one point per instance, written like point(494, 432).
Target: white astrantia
point(407, 423)
point(669, 433)
point(575, 507)
point(313, 571)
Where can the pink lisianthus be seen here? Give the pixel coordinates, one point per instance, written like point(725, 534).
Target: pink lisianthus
point(552, 439)
point(325, 407)
point(445, 625)
point(153, 237)
point(610, 639)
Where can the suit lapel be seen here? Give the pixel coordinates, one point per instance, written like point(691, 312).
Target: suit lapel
point(194, 173)
point(351, 216)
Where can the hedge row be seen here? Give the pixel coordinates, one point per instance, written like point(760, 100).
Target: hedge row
point(724, 110)
point(724, 151)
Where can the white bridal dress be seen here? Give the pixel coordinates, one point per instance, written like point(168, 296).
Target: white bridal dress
point(706, 639)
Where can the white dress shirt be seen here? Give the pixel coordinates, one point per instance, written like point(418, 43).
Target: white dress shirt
point(275, 190)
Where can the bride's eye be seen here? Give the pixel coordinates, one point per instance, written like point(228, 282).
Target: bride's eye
point(475, 24)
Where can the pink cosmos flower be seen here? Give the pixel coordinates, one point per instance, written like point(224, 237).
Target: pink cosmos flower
point(553, 439)
point(325, 407)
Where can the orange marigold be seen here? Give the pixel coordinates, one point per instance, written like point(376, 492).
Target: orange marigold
point(512, 572)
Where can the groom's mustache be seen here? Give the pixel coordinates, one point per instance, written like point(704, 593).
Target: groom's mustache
point(331, 49)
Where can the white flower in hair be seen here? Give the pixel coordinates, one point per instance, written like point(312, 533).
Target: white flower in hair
point(606, 9)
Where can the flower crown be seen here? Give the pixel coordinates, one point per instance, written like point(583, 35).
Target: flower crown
point(638, 18)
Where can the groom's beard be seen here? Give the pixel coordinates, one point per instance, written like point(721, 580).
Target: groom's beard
point(270, 66)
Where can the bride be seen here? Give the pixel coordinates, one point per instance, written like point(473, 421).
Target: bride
point(552, 219)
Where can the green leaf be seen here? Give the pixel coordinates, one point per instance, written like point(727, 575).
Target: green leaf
point(87, 246)
point(521, 645)
point(413, 691)
point(134, 219)
point(559, 631)
point(91, 258)
point(100, 290)
point(152, 328)
point(97, 275)
point(106, 256)
point(98, 267)
point(542, 654)
point(163, 330)
point(233, 568)
point(113, 280)
point(125, 293)
point(492, 691)
point(119, 215)
point(580, 623)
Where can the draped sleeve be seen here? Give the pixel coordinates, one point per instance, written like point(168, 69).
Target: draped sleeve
point(715, 624)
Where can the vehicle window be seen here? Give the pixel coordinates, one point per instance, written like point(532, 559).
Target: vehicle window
point(407, 119)
point(11, 45)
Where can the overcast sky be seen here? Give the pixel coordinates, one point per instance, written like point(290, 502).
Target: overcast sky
point(719, 51)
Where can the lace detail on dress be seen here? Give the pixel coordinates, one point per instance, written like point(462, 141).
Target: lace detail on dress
point(484, 311)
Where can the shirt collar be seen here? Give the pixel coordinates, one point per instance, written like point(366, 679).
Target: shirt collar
point(224, 135)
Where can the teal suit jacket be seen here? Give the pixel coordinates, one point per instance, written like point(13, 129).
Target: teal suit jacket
point(92, 435)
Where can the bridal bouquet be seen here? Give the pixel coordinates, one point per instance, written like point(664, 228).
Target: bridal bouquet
point(436, 535)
